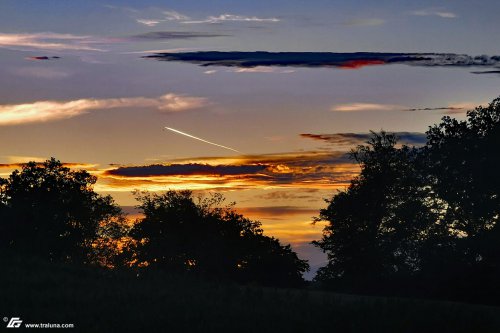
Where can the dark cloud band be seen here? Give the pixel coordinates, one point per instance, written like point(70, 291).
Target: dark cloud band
point(326, 59)
point(449, 108)
point(43, 58)
point(486, 72)
point(185, 170)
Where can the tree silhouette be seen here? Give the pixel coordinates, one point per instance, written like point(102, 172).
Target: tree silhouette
point(182, 233)
point(111, 248)
point(378, 225)
point(421, 217)
point(462, 168)
point(50, 211)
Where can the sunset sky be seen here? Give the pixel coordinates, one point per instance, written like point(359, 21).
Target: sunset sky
point(77, 84)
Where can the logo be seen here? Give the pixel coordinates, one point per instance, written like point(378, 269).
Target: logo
point(15, 322)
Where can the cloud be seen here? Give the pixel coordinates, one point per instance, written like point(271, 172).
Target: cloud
point(303, 170)
point(356, 64)
point(232, 18)
point(486, 72)
point(450, 109)
point(276, 211)
point(354, 139)
point(293, 159)
point(367, 22)
point(42, 111)
point(339, 138)
point(169, 15)
point(148, 22)
point(159, 35)
point(48, 41)
point(355, 107)
point(43, 58)
point(326, 59)
point(186, 170)
point(306, 194)
point(156, 18)
point(434, 12)
point(18, 162)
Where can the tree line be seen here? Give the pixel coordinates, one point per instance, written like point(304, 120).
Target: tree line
point(415, 221)
point(52, 212)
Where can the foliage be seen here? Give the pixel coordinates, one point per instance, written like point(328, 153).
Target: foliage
point(200, 235)
point(51, 211)
point(379, 223)
point(461, 164)
point(420, 217)
point(47, 210)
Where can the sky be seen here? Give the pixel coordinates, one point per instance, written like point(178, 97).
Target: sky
point(96, 83)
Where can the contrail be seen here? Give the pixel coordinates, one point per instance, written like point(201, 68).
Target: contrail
point(200, 139)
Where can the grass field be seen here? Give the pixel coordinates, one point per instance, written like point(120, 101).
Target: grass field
point(102, 301)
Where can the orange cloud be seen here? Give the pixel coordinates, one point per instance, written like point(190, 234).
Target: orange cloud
point(356, 64)
point(310, 170)
point(285, 195)
point(7, 168)
point(276, 212)
point(354, 107)
point(68, 165)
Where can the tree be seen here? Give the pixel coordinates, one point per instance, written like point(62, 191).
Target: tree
point(462, 162)
point(50, 211)
point(182, 233)
point(426, 216)
point(463, 168)
point(378, 225)
point(111, 248)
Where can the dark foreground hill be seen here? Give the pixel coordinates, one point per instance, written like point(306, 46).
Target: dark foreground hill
point(97, 300)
